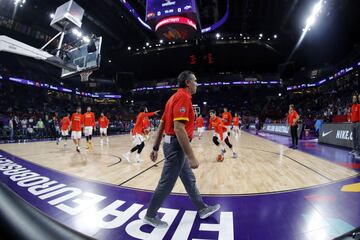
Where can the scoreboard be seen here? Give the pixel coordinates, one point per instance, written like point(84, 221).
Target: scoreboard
point(173, 19)
point(156, 10)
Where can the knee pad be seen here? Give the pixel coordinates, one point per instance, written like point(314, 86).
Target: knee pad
point(216, 141)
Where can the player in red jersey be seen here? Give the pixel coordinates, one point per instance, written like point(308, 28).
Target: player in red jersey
point(147, 127)
point(236, 121)
point(138, 134)
point(220, 133)
point(77, 122)
point(89, 126)
point(103, 124)
point(200, 125)
point(227, 119)
point(65, 127)
point(355, 111)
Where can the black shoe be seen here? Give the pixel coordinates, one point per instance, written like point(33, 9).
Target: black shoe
point(295, 147)
point(291, 146)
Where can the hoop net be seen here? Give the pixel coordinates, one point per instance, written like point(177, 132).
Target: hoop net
point(85, 76)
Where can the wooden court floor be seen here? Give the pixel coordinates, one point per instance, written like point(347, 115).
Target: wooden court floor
point(262, 166)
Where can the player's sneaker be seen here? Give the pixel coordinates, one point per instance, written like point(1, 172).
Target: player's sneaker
point(138, 159)
point(126, 156)
point(234, 155)
point(208, 211)
point(78, 149)
point(155, 222)
point(101, 142)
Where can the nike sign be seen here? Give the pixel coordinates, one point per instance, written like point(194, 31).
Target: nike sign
point(326, 133)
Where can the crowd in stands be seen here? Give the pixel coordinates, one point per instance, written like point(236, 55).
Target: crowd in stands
point(30, 112)
point(34, 113)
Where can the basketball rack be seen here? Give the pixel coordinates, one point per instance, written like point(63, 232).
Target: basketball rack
point(78, 60)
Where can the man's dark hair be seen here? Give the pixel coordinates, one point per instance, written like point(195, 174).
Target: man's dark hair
point(183, 76)
point(142, 109)
point(213, 111)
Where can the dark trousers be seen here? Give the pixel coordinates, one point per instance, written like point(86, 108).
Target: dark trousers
point(176, 165)
point(356, 136)
point(294, 135)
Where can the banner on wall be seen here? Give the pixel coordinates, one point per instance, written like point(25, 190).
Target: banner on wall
point(280, 129)
point(338, 134)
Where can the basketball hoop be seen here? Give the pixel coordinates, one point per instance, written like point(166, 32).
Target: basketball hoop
point(85, 76)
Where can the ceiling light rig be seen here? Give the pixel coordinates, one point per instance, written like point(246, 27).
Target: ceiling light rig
point(19, 3)
point(316, 10)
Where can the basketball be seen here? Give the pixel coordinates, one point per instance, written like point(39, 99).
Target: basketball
point(220, 158)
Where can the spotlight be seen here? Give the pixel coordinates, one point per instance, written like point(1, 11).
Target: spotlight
point(52, 15)
point(310, 20)
point(147, 44)
point(261, 35)
point(275, 36)
point(129, 48)
point(76, 32)
point(19, 3)
point(279, 94)
point(204, 103)
point(218, 35)
point(317, 8)
point(109, 60)
point(86, 39)
point(161, 41)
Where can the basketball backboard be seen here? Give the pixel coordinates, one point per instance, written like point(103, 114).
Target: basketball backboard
point(86, 57)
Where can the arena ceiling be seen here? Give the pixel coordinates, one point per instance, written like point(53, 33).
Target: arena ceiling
point(333, 37)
